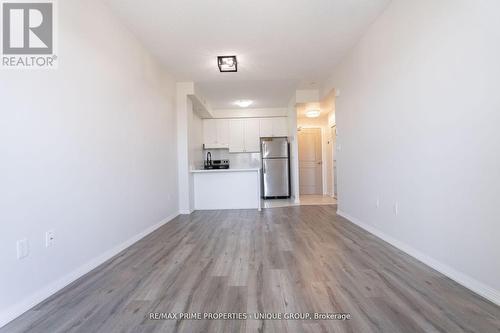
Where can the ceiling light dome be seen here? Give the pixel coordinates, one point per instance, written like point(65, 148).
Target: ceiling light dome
point(313, 113)
point(243, 103)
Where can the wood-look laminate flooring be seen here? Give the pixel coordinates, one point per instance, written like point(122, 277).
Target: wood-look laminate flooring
point(302, 259)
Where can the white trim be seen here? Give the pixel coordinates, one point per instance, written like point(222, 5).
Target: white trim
point(186, 211)
point(24, 305)
point(459, 277)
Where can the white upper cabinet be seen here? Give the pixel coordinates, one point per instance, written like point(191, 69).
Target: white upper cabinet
point(209, 132)
point(242, 135)
point(252, 137)
point(223, 132)
point(280, 126)
point(216, 133)
point(266, 127)
point(236, 136)
point(273, 127)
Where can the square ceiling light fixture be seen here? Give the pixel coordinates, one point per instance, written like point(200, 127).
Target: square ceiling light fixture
point(227, 64)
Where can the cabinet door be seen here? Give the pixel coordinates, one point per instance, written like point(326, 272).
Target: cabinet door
point(252, 137)
point(209, 131)
point(236, 136)
point(280, 126)
point(266, 127)
point(223, 133)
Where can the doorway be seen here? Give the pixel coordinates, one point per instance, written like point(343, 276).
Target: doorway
point(310, 161)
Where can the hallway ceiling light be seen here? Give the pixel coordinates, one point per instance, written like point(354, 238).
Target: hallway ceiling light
point(227, 64)
point(313, 113)
point(243, 103)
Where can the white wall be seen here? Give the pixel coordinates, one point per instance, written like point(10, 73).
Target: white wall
point(184, 110)
point(189, 144)
point(294, 149)
point(87, 150)
point(418, 122)
point(196, 142)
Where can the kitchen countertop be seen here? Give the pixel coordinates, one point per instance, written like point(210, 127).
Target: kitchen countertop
point(224, 170)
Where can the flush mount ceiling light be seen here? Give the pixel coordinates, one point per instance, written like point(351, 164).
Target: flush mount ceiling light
point(313, 113)
point(243, 103)
point(227, 64)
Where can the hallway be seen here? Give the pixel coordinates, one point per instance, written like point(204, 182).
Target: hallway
point(306, 199)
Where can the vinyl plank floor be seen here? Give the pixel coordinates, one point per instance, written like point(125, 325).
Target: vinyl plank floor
point(299, 259)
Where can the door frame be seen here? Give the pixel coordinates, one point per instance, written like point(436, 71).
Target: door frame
point(334, 171)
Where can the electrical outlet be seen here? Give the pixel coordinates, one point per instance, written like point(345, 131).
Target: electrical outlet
point(22, 248)
point(50, 238)
point(396, 208)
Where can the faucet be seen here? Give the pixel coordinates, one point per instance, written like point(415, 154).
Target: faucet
point(209, 159)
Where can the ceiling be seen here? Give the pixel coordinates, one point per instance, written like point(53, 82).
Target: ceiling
point(288, 43)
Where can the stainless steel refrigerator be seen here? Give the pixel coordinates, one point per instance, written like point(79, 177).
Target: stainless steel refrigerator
point(275, 167)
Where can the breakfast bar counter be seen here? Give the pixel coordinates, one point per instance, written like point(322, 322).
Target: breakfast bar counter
point(226, 189)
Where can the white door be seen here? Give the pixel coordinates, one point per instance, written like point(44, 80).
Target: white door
point(252, 137)
point(310, 161)
point(236, 136)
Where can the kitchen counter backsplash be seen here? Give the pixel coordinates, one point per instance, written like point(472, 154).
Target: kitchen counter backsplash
point(236, 161)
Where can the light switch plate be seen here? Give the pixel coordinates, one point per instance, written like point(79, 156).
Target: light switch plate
point(50, 237)
point(22, 248)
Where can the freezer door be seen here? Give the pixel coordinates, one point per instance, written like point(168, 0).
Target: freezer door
point(275, 177)
point(274, 147)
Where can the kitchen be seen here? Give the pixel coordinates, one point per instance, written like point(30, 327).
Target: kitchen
point(232, 173)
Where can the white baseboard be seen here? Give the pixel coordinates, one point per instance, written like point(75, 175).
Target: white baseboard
point(463, 279)
point(21, 307)
point(186, 211)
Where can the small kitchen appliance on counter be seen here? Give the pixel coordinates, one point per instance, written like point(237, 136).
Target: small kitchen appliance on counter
point(215, 164)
